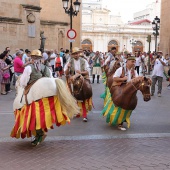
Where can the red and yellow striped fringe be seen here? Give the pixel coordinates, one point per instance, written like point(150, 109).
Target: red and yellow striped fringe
point(85, 107)
point(41, 114)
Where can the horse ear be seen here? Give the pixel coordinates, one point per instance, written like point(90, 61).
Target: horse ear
point(150, 81)
point(145, 79)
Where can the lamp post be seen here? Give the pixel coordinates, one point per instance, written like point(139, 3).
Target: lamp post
point(133, 42)
point(156, 27)
point(71, 12)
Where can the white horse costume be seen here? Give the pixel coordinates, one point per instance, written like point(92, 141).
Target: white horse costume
point(44, 87)
point(49, 102)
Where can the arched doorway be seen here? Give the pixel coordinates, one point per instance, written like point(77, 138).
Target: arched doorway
point(138, 47)
point(113, 43)
point(86, 45)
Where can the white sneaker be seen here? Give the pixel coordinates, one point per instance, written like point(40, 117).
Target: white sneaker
point(121, 128)
point(84, 119)
point(159, 94)
point(9, 91)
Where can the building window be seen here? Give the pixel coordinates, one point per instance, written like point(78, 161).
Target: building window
point(138, 43)
point(86, 42)
point(113, 42)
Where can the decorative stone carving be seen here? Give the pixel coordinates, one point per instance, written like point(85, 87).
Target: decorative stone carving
point(61, 31)
point(30, 18)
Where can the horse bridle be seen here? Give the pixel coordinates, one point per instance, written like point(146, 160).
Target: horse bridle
point(81, 86)
point(142, 84)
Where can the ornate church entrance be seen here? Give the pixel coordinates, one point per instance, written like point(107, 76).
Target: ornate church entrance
point(86, 45)
point(113, 43)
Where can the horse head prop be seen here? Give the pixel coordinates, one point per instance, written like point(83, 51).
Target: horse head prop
point(125, 97)
point(82, 89)
point(144, 86)
point(113, 67)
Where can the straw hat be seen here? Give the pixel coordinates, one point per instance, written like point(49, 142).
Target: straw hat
point(76, 50)
point(36, 53)
point(159, 52)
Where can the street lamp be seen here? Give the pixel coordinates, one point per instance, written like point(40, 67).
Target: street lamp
point(156, 27)
point(133, 42)
point(71, 12)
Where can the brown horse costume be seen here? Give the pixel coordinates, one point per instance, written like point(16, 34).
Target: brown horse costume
point(82, 89)
point(120, 98)
point(110, 73)
point(125, 97)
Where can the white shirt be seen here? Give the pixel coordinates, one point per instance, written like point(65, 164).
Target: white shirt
point(159, 68)
point(77, 65)
point(53, 60)
point(138, 61)
point(25, 77)
point(24, 58)
point(143, 57)
point(109, 58)
point(45, 56)
point(118, 73)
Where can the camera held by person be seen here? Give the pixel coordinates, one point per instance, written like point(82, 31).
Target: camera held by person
point(158, 56)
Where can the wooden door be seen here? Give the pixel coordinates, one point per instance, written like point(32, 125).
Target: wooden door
point(86, 47)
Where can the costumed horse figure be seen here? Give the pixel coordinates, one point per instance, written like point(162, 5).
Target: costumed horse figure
point(123, 100)
point(82, 91)
point(48, 102)
point(114, 65)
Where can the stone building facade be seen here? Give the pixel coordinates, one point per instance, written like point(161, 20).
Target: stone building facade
point(102, 30)
point(22, 21)
point(55, 24)
point(165, 27)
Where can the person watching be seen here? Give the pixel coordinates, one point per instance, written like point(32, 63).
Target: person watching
point(18, 63)
point(157, 75)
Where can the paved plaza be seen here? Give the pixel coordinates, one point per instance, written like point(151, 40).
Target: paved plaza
point(93, 145)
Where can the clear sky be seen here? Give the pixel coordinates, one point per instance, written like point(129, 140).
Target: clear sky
point(126, 8)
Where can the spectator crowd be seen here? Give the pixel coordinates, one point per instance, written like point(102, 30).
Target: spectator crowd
point(12, 65)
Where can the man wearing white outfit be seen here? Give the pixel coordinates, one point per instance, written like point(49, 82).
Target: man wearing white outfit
point(157, 75)
point(125, 74)
point(78, 65)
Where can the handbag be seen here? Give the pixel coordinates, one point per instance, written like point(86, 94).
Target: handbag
point(6, 75)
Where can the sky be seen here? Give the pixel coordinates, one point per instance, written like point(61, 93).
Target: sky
point(126, 8)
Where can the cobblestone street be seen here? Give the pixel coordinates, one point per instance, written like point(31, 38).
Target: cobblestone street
point(93, 145)
point(116, 154)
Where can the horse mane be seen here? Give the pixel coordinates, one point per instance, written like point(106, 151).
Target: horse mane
point(140, 79)
point(113, 67)
point(137, 79)
point(74, 77)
